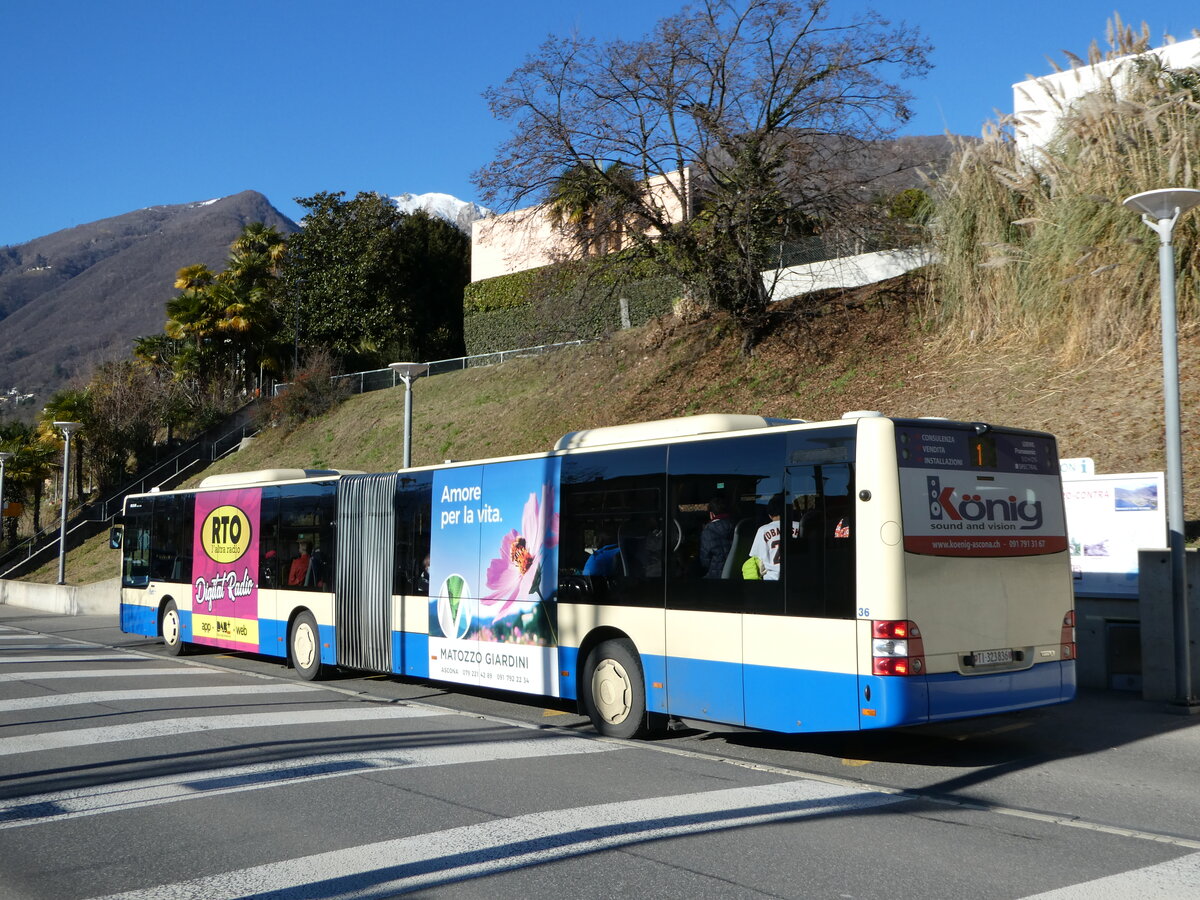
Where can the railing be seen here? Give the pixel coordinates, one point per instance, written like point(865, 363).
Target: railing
point(379, 379)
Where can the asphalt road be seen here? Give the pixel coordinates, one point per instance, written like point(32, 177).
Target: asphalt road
point(126, 772)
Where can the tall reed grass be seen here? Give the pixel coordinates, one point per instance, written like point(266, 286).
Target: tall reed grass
point(1037, 248)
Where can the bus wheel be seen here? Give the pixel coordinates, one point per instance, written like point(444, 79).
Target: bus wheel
point(172, 629)
point(305, 647)
point(614, 691)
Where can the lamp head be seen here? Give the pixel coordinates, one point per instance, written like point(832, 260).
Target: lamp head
point(68, 428)
point(1162, 202)
point(408, 369)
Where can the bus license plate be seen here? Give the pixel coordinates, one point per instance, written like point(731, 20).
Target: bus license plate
point(992, 657)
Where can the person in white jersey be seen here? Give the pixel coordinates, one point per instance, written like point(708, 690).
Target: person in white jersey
point(767, 544)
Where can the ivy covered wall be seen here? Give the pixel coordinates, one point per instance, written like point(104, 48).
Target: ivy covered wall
point(562, 302)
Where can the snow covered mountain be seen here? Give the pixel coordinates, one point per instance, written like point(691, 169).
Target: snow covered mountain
point(460, 213)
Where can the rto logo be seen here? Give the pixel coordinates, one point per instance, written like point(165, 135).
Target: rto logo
point(225, 534)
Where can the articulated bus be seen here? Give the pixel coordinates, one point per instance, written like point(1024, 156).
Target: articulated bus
point(771, 574)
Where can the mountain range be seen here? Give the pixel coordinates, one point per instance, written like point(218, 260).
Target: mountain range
point(78, 297)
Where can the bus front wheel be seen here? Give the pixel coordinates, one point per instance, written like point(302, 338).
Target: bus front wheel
point(305, 645)
point(172, 629)
point(614, 693)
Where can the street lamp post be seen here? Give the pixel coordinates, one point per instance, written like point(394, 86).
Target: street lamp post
point(408, 371)
point(67, 428)
point(1160, 211)
point(5, 456)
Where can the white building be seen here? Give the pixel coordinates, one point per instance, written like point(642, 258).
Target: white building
point(1038, 103)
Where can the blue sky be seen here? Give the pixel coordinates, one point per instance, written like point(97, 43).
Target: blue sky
point(117, 105)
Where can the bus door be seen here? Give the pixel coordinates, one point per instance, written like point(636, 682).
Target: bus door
point(809, 654)
point(366, 517)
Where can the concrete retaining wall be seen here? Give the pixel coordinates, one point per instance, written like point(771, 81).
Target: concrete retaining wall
point(846, 272)
point(97, 599)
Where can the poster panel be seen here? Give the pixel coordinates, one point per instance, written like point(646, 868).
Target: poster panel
point(1110, 518)
point(225, 569)
point(493, 568)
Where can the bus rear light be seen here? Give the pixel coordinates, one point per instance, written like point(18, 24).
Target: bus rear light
point(1068, 649)
point(897, 648)
point(889, 648)
point(895, 629)
point(897, 665)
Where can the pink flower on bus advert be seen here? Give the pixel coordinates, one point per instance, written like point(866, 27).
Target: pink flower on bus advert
point(513, 575)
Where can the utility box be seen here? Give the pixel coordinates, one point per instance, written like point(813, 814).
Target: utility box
point(1158, 622)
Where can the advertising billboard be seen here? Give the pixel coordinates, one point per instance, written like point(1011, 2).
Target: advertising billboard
point(225, 569)
point(1110, 518)
point(493, 575)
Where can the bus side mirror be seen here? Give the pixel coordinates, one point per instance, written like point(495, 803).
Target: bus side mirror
point(115, 535)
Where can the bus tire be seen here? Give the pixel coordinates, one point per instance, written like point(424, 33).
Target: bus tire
point(171, 629)
point(614, 690)
point(304, 647)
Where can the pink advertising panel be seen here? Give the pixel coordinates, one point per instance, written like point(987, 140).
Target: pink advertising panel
point(225, 569)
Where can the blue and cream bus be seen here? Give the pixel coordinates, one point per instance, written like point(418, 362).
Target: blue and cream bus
point(774, 574)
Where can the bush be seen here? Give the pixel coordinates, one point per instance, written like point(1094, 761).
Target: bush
point(312, 393)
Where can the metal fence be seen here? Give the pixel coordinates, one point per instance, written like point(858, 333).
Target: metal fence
point(379, 379)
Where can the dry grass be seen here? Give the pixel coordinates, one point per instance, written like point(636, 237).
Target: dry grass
point(1040, 251)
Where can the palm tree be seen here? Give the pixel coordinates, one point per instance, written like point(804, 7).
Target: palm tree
point(593, 204)
point(256, 253)
point(69, 405)
point(191, 278)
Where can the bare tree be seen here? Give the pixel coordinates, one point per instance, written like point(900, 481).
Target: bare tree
point(735, 116)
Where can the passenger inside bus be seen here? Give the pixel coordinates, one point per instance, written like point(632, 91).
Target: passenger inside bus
point(716, 539)
point(604, 558)
point(300, 571)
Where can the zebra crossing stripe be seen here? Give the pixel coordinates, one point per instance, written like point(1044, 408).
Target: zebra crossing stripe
point(48, 648)
point(505, 844)
point(106, 673)
point(23, 636)
point(140, 731)
point(1175, 879)
point(56, 700)
point(64, 805)
point(85, 655)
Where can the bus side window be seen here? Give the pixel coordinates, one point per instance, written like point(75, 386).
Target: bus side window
point(268, 543)
point(305, 541)
point(413, 533)
point(819, 544)
point(720, 491)
point(612, 534)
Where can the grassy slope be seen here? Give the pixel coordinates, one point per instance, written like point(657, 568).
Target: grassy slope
point(865, 354)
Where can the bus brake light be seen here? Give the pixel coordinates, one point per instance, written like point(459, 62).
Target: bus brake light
point(897, 648)
point(1067, 638)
